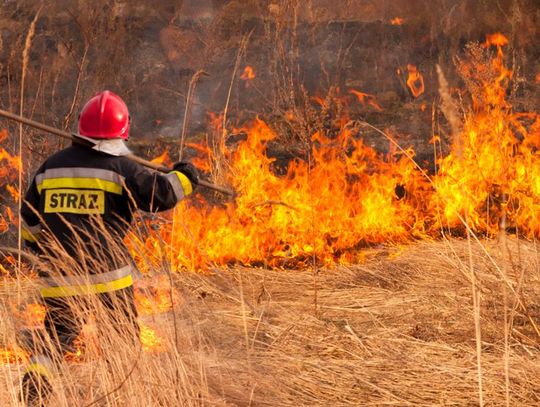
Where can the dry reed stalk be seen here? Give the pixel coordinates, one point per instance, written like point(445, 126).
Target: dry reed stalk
point(476, 312)
point(243, 312)
point(503, 243)
point(38, 91)
point(220, 148)
point(187, 112)
point(25, 57)
point(448, 107)
point(450, 111)
point(463, 221)
point(475, 292)
point(80, 71)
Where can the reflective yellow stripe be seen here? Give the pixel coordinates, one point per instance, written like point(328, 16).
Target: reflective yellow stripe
point(99, 288)
point(180, 184)
point(28, 236)
point(88, 279)
point(80, 183)
point(38, 368)
point(186, 183)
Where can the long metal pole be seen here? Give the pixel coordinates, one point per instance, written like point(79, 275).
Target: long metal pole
point(133, 157)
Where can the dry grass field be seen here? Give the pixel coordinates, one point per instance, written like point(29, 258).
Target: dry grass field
point(372, 122)
point(398, 329)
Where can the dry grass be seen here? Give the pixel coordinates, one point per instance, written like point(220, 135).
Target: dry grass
point(396, 330)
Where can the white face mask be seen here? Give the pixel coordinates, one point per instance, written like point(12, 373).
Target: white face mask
point(116, 146)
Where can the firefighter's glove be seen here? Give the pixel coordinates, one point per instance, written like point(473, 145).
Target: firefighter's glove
point(188, 170)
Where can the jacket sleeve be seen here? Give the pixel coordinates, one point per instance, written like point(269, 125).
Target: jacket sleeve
point(31, 225)
point(152, 191)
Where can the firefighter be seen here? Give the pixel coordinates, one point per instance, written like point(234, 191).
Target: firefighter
point(81, 203)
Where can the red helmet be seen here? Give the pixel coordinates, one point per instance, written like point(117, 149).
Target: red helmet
point(105, 116)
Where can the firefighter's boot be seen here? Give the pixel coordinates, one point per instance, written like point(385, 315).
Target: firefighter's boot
point(36, 389)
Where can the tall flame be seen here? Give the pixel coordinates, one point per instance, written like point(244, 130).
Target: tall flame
point(9, 168)
point(346, 195)
point(9, 164)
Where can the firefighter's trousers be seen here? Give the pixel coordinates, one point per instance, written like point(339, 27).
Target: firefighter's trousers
point(113, 312)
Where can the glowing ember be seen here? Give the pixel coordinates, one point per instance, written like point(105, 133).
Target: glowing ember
point(397, 21)
point(248, 74)
point(415, 81)
point(150, 340)
point(78, 354)
point(537, 78)
point(10, 356)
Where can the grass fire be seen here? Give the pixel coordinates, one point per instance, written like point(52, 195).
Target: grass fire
point(256, 202)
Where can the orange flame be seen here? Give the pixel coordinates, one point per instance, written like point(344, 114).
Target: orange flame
point(202, 160)
point(162, 159)
point(10, 215)
point(397, 21)
point(35, 313)
point(496, 39)
point(12, 355)
point(32, 315)
point(9, 168)
point(319, 100)
point(364, 98)
point(248, 74)
point(415, 81)
point(537, 78)
point(4, 224)
point(347, 195)
point(155, 299)
point(13, 192)
point(150, 340)
point(9, 164)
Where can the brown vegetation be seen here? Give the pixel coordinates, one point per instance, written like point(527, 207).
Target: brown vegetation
point(396, 330)
point(448, 322)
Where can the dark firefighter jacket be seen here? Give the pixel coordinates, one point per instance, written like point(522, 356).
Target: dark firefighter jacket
point(82, 198)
